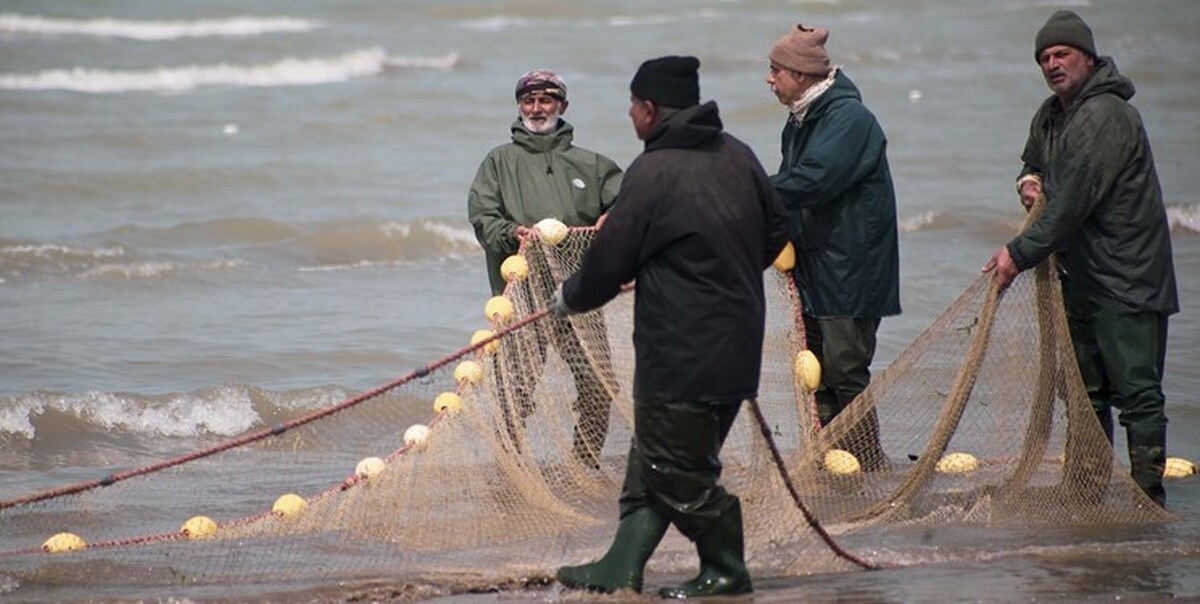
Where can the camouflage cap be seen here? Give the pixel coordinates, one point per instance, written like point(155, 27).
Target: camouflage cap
point(542, 80)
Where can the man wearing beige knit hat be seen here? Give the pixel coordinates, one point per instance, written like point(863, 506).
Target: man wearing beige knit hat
point(835, 182)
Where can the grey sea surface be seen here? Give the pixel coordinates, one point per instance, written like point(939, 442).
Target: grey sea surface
point(215, 216)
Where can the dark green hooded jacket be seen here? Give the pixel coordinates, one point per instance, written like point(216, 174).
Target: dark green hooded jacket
point(536, 176)
point(835, 182)
point(1104, 210)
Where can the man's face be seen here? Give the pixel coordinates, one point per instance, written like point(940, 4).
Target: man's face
point(642, 115)
point(1066, 70)
point(787, 85)
point(540, 112)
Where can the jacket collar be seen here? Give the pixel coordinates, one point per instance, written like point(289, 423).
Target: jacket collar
point(692, 127)
point(541, 143)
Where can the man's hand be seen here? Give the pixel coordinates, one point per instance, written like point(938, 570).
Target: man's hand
point(1006, 269)
point(559, 307)
point(522, 232)
point(1029, 188)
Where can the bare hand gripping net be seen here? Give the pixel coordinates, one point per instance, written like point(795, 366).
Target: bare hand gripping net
point(521, 466)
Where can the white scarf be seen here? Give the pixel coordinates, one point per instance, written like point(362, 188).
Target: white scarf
point(800, 108)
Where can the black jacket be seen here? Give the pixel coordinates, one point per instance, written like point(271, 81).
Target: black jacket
point(695, 223)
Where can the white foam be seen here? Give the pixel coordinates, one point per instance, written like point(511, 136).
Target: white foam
point(287, 72)
point(154, 30)
point(46, 250)
point(1184, 217)
point(627, 20)
point(916, 223)
point(496, 23)
point(151, 270)
point(457, 236)
point(16, 419)
point(226, 411)
point(445, 62)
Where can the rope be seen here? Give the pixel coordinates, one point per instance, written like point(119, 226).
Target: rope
point(815, 525)
point(956, 402)
point(111, 479)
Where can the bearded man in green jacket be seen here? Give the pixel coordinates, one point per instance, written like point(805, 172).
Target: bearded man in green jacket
point(1105, 221)
point(836, 184)
point(542, 174)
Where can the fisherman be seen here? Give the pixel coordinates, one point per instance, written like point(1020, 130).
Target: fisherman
point(835, 182)
point(1105, 221)
point(696, 225)
point(542, 174)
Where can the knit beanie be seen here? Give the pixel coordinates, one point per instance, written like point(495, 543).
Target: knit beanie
point(671, 81)
point(1064, 27)
point(542, 80)
point(803, 49)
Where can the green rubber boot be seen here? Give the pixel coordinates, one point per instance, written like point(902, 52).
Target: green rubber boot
point(1148, 459)
point(722, 561)
point(623, 565)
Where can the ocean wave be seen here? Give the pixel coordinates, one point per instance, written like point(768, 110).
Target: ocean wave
point(373, 242)
point(154, 30)
point(917, 223)
point(497, 23)
point(222, 411)
point(154, 270)
point(24, 259)
point(1184, 218)
point(286, 72)
point(137, 252)
point(659, 19)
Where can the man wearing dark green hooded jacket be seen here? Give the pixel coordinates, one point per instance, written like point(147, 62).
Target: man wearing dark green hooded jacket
point(1105, 221)
point(835, 182)
point(542, 174)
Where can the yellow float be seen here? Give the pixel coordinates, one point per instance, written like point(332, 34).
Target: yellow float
point(468, 373)
point(448, 402)
point(289, 506)
point(838, 461)
point(199, 527)
point(514, 268)
point(808, 369)
point(64, 542)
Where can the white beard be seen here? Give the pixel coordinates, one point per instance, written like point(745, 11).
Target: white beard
point(546, 126)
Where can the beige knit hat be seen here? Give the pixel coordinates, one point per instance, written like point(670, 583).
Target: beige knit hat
point(803, 49)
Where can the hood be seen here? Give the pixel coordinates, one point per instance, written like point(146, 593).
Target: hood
point(843, 88)
point(689, 128)
point(1107, 80)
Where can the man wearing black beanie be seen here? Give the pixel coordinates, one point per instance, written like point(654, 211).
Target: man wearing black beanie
point(668, 81)
point(695, 224)
point(1105, 222)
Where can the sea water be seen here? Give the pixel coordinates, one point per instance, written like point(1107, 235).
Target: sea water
point(217, 215)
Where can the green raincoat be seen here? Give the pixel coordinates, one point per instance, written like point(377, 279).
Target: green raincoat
point(1104, 213)
point(536, 176)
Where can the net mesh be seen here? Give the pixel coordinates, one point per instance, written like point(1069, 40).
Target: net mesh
point(520, 473)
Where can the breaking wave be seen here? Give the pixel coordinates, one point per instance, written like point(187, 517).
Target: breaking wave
point(290, 71)
point(153, 30)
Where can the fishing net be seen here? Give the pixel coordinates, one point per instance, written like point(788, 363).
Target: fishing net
point(516, 462)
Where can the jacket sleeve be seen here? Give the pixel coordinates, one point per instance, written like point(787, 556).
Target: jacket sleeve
point(610, 183)
point(615, 254)
point(776, 225)
point(1033, 156)
point(842, 150)
point(485, 209)
point(1096, 146)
